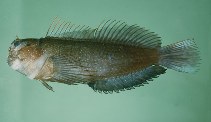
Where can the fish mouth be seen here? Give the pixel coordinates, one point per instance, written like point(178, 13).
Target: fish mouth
point(13, 55)
point(10, 59)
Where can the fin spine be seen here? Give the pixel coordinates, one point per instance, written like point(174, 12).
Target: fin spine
point(110, 31)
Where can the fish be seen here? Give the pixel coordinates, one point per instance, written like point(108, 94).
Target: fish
point(111, 57)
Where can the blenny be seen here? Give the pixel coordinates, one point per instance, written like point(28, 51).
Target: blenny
point(110, 58)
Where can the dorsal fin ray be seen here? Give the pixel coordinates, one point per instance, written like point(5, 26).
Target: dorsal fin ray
point(110, 31)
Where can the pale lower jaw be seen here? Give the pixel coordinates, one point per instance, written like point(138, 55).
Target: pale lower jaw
point(16, 64)
point(30, 68)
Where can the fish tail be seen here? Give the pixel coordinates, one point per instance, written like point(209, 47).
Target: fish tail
point(182, 56)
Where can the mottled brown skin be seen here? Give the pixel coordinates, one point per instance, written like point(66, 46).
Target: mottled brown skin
point(29, 52)
point(92, 60)
point(97, 60)
point(112, 57)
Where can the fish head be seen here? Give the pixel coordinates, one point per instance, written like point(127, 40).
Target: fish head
point(22, 52)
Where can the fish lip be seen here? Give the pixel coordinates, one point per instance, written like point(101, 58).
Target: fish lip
point(9, 61)
point(13, 55)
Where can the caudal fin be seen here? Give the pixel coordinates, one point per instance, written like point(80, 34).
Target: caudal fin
point(181, 56)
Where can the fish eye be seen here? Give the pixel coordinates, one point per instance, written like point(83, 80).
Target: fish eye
point(28, 44)
point(16, 43)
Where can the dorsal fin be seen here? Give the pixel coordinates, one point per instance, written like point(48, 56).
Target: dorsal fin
point(120, 32)
point(127, 82)
point(110, 31)
point(68, 30)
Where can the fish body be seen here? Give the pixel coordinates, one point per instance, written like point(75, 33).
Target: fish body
point(111, 57)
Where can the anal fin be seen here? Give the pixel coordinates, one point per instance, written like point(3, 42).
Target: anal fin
point(129, 81)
